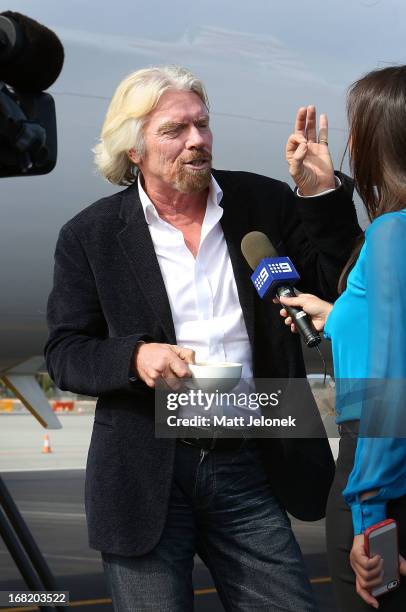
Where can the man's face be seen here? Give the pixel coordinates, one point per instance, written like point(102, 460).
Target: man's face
point(178, 143)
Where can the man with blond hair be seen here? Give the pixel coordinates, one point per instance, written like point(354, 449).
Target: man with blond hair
point(151, 278)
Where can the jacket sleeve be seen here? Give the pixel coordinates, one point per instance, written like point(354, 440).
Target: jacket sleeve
point(380, 459)
point(318, 235)
point(80, 355)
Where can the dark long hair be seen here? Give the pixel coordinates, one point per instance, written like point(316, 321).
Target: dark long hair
point(376, 110)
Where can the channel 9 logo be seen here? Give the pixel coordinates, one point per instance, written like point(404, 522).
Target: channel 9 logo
point(280, 268)
point(271, 273)
point(261, 278)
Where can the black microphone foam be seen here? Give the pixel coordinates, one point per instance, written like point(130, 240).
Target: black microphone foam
point(255, 246)
point(31, 55)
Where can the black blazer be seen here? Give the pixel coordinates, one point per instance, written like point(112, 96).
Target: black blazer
point(109, 293)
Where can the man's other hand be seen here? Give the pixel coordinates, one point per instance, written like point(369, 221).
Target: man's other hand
point(168, 362)
point(308, 156)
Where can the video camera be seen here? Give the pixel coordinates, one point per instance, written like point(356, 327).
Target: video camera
point(31, 58)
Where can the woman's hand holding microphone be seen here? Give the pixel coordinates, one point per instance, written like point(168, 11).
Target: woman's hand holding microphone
point(317, 309)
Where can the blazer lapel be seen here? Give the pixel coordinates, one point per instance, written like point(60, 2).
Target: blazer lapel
point(235, 223)
point(136, 242)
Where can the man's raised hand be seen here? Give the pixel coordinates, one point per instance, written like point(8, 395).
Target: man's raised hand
point(308, 156)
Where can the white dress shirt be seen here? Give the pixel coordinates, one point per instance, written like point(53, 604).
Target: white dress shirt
point(202, 291)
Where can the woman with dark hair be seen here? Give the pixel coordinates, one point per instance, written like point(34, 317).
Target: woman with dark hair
point(367, 328)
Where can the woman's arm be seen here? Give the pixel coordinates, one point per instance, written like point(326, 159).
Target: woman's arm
point(380, 461)
point(379, 472)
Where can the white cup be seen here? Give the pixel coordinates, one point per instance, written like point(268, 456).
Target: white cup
point(211, 377)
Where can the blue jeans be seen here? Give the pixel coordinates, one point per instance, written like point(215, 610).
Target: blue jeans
point(222, 507)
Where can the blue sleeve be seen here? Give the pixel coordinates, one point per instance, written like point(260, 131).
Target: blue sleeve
point(380, 462)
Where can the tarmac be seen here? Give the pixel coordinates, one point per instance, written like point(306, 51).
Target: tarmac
point(49, 489)
point(22, 440)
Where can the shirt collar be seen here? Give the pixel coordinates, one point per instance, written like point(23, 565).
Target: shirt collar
point(150, 212)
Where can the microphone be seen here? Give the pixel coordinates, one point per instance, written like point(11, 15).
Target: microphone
point(31, 55)
point(276, 276)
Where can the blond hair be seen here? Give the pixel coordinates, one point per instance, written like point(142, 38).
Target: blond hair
point(135, 97)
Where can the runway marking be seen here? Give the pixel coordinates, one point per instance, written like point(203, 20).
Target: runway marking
point(107, 601)
point(205, 591)
point(47, 515)
point(63, 557)
point(321, 580)
point(90, 602)
point(72, 558)
point(40, 469)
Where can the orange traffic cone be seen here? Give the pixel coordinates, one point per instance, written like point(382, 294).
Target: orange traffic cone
point(46, 448)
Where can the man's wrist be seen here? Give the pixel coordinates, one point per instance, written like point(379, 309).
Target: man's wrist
point(324, 191)
point(133, 375)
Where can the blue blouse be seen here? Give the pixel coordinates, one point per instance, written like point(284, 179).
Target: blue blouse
point(367, 327)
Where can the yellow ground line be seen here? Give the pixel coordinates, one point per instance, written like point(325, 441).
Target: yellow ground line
point(321, 580)
point(205, 591)
point(95, 602)
point(90, 602)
